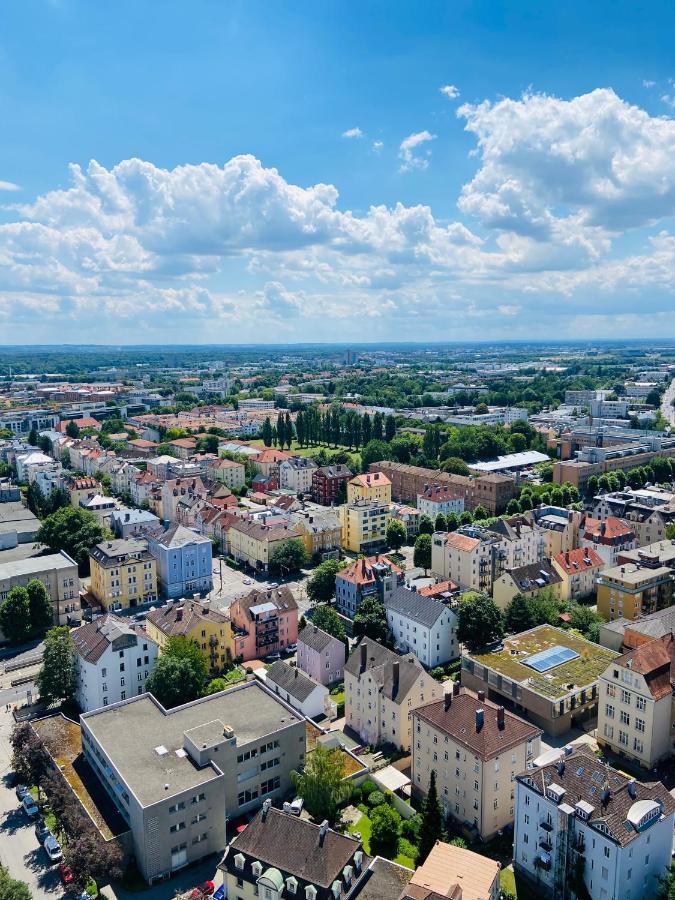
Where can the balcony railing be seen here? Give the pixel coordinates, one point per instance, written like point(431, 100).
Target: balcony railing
point(546, 826)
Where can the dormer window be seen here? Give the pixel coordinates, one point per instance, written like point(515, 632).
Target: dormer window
point(239, 861)
point(310, 892)
point(292, 885)
point(256, 868)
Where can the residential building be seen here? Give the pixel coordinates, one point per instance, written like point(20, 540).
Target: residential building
point(209, 628)
point(183, 448)
point(476, 748)
point(264, 622)
point(439, 498)
point(454, 872)
point(661, 553)
point(473, 557)
point(281, 855)
point(174, 775)
point(123, 574)
point(409, 517)
point(184, 561)
point(58, 573)
point(127, 522)
point(547, 674)
point(373, 575)
point(381, 689)
point(177, 490)
point(371, 486)
point(648, 511)
point(320, 655)
point(228, 472)
point(528, 580)
point(441, 590)
point(576, 818)
point(627, 634)
point(523, 540)
point(559, 528)
point(633, 589)
point(267, 462)
point(253, 541)
point(100, 506)
point(422, 625)
point(297, 689)
point(31, 461)
point(609, 538)
point(579, 570)
point(635, 712)
point(82, 489)
point(329, 484)
point(295, 474)
point(364, 525)
point(113, 659)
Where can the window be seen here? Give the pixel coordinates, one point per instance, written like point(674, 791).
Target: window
point(625, 696)
point(640, 703)
point(609, 710)
point(640, 725)
point(177, 806)
point(625, 718)
point(605, 850)
point(178, 826)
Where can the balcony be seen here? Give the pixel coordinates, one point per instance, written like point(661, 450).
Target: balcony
point(546, 826)
point(546, 844)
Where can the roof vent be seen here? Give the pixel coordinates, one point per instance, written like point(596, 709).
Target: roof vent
point(161, 750)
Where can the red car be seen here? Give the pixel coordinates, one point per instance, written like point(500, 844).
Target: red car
point(65, 874)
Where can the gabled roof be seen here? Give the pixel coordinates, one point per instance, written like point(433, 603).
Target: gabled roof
point(609, 530)
point(381, 663)
point(291, 680)
point(371, 479)
point(574, 561)
point(281, 597)
point(361, 571)
point(535, 576)
point(655, 662)
point(417, 607)
point(93, 639)
point(461, 542)
point(316, 639)
point(180, 619)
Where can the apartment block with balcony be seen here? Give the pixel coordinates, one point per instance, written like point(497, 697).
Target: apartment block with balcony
point(328, 483)
point(372, 575)
point(372, 486)
point(472, 557)
point(364, 525)
point(123, 574)
point(630, 590)
point(264, 622)
point(609, 538)
point(184, 561)
point(208, 627)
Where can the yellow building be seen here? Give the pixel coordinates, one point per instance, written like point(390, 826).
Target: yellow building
point(369, 486)
point(123, 574)
point(321, 531)
point(632, 590)
point(364, 525)
point(209, 628)
point(253, 541)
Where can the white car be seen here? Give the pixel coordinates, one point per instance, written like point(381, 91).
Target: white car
point(30, 807)
point(53, 849)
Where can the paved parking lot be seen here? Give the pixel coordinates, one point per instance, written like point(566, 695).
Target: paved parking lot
point(235, 583)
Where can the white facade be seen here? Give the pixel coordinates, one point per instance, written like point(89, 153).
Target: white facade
point(437, 503)
point(296, 474)
point(433, 643)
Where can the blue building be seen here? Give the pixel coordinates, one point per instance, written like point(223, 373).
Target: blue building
point(184, 563)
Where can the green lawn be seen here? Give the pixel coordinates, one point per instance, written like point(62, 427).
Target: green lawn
point(364, 826)
point(507, 881)
point(310, 451)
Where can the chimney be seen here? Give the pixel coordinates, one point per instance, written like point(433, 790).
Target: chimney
point(481, 696)
point(395, 672)
point(480, 718)
point(267, 805)
point(455, 688)
point(296, 673)
point(322, 831)
point(500, 718)
point(560, 767)
point(364, 656)
point(447, 701)
point(631, 788)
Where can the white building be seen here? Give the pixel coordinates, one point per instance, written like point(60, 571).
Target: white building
point(578, 818)
point(31, 462)
point(297, 689)
point(113, 661)
point(423, 626)
point(295, 474)
point(439, 499)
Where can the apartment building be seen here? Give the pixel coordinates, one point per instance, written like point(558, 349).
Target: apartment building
point(454, 872)
point(320, 655)
point(381, 690)
point(264, 622)
point(58, 573)
point(307, 696)
point(208, 627)
point(476, 748)
point(648, 511)
point(177, 775)
point(296, 473)
point(523, 540)
point(128, 522)
point(631, 590)
point(82, 489)
point(253, 541)
point(422, 625)
point(473, 557)
point(123, 574)
point(329, 483)
point(371, 486)
point(367, 577)
point(439, 499)
point(547, 674)
point(364, 525)
point(527, 580)
point(184, 561)
point(577, 819)
point(228, 472)
point(661, 553)
point(559, 528)
point(113, 658)
point(579, 570)
point(635, 712)
point(267, 462)
point(321, 532)
point(609, 538)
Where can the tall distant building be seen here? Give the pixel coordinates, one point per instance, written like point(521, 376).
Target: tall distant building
point(350, 357)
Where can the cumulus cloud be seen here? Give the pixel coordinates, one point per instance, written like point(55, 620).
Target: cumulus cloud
point(449, 91)
point(408, 151)
point(352, 133)
point(9, 186)
point(377, 146)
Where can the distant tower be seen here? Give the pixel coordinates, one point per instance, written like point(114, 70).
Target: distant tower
point(350, 357)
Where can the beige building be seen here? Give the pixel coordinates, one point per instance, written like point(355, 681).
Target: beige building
point(123, 574)
point(579, 570)
point(523, 540)
point(635, 712)
point(631, 590)
point(527, 580)
point(559, 528)
point(472, 557)
point(321, 531)
point(58, 573)
point(454, 872)
point(369, 486)
point(254, 541)
point(230, 473)
point(476, 749)
point(381, 690)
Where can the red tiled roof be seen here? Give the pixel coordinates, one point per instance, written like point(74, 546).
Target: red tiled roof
point(371, 479)
point(461, 542)
point(435, 590)
point(653, 660)
point(573, 561)
point(609, 529)
point(361, 571)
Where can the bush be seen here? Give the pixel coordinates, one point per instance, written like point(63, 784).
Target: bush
point(368, 787)
point(438, 673)
point(408, 848)
point(363, 809)
point(376, 798)
point(410, 828)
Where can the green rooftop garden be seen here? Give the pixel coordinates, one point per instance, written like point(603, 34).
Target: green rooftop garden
point(578, 672)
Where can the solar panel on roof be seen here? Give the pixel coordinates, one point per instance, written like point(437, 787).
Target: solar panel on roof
point(550, 658)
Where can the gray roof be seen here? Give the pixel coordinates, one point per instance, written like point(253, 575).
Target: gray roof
point(129, 516)
point(130, 731)
point(178, 536)
point(19, 567)
point(111, 553)
point(93, 639)
point(654, 625)
point(316, 639)
point(383, 880)
point(291, 680)
point(425, 610)
point(380, 662)
point(535, 576)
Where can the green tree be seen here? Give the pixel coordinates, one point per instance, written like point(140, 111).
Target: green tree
point(15, 616)
point(371, 620)
point(479, 621)
point(385, 830)
point(422, 552)
point(513, 507)
point(33, 437)
point(431, 829)
point(455, 466)
point(520, 614)
point(216, 685)
point(452, 521)
point(30, 759)
point(73, 429)
point(320, 784)
point(585, 620)
point(325, 618)
point(396, 533)
point(57, 679)
point(180, 673)
point(480, 514)
point(288, 557)
point(426, 526)
point(73, 530)
point(441, 522)
point(41, 610)
point(321, 585)
point(12, 888)
point(374, 451)
point(389, 429)
point(466, 518)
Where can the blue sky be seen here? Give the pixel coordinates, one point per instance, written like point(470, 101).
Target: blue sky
point(294, 171)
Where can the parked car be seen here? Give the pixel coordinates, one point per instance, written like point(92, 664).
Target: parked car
point(21, 791)
point(220, 893)
point(272, 657)
point(41, 830)
point(294, 808)
point(65, 874)
point(53, 849)
point(274, 586)
point(30, 807)
point(247, 581)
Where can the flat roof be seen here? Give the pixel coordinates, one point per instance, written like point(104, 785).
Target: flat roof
point(511, 461)
point(17, 567)
point(129, 732)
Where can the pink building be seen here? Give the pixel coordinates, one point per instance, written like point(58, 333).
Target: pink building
point(264, 622)
point(320, 655)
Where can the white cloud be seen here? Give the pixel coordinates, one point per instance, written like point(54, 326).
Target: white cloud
point(377, 146)
point(648, 84)
point(408, 147)
point(9, 186)
point(352, 133)
point(449, 91)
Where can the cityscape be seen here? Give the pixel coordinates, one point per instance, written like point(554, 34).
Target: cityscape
point(337, 451)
